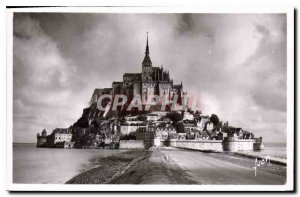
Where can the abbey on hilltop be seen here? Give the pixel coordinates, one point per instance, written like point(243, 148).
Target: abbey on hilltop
point(151, 81)
point(144, 128)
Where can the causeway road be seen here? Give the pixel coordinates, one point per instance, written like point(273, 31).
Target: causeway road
point(180, 166)
point(203, 168)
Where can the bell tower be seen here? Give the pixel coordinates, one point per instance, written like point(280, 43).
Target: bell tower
point(147, 64)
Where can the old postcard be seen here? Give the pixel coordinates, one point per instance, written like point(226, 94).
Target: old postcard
point(150, 99)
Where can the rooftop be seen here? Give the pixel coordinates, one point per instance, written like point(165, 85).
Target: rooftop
point(62, 131)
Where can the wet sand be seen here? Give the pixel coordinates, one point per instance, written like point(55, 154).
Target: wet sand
point(178, 166)
point(110, 167)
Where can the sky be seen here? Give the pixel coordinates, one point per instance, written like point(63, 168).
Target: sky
point(234, 63)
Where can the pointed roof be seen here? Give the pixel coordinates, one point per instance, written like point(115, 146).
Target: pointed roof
point(147, 46)
point(147, 57)
point(44, 132)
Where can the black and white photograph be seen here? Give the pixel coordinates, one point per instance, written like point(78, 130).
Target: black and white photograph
point(142, 99)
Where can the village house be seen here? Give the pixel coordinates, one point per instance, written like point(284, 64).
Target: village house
point(161, 123)
point(159, 113)
point(201, 122)
point(129, 128)
point(131, 118)
point(209, 126)
point(187, 116)
point(239, 132)
point(164, 132)
point(152, 117)
point(203, 135)
point(60, 138)
point(221, 135)
point(248, 135)
point(181, 136)
point(146, 134)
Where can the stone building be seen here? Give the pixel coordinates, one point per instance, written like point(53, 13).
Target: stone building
point(201, 122)
point(42, 139)
point(145, 134)
point(60, 138)
point(150, 81)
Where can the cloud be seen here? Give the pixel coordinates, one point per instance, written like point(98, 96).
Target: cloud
point(235, 64)
point(43, 81)
point(240, 71)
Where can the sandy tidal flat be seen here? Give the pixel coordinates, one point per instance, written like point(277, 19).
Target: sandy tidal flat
point(178, 166)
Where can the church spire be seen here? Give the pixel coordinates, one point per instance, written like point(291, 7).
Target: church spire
point(147, 47)
point(147, 61)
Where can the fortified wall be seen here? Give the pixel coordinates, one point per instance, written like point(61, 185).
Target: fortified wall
point(203, 145)
point(232, 144)
point(132, 144)
point(229, 144)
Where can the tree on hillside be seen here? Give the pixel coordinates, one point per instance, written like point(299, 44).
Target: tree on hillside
point(141, 118)
point(179, 127)
point(174, 116)
point(214, 119)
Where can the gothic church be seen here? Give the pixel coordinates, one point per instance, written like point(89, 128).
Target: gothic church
point(151, 81)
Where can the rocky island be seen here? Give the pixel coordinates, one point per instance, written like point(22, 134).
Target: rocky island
point(148, 110)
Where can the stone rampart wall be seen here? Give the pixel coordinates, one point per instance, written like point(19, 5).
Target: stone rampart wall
point(132, 144)
point(214, 145)
point(203, 145)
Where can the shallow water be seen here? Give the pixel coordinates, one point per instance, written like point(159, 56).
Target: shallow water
point(277, 150)
point(50, 165)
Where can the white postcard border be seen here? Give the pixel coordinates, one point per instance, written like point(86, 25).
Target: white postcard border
point(175, 9)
